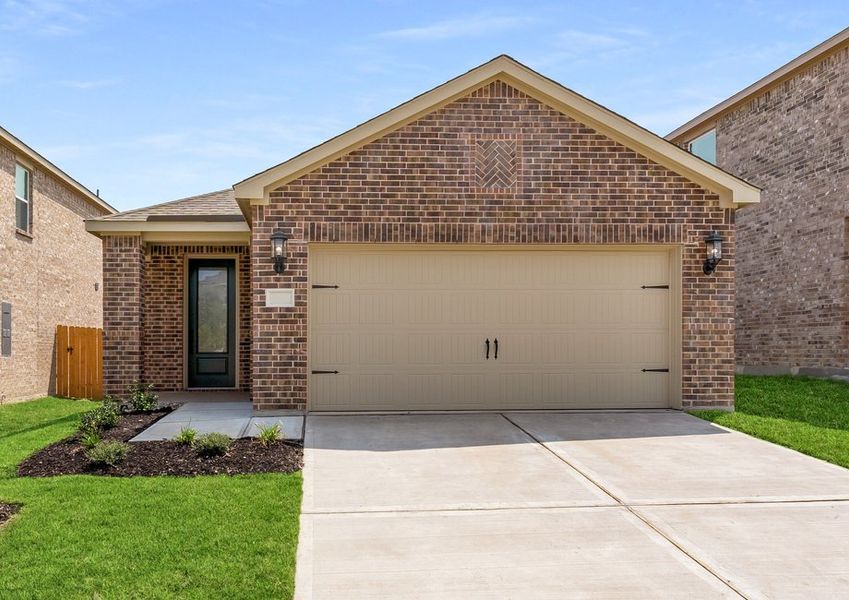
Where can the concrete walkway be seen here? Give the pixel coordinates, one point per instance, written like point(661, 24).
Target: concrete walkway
point(654, 504)
point(234, 418)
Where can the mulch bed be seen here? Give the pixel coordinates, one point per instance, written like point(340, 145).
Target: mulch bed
point(246, 455)
point(6, 511)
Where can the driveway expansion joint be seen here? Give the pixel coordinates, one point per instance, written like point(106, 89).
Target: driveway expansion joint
point(631, 510)
point(384, 488)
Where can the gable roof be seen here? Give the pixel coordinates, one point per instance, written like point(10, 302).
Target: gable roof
point(731, 190)
point(705, 121)
point(22, 150)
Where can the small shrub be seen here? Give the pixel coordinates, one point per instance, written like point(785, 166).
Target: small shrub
point(186, 437)
point(111, 410)
point(108, 453)
point(90, 421)
point(89, 439)
point(142, 397)
point(104, 416)
point(268, 434)
point(212, 444)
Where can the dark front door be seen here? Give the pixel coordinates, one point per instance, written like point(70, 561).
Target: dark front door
point(212, 323)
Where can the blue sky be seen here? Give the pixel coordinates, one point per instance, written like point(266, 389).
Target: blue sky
point(154, 100)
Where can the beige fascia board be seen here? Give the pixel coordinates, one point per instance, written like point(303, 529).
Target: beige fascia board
point(731, 190)
point(33, 160)
point(199, 237)
point(707, 120)
point(124, 227)
point(184, 237)
point(245, 207)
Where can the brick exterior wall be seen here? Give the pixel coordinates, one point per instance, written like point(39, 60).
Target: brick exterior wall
point(48, 277)
point(145, 311)
point(123, 305)
point(164, 312)
point(419, 184)
point(792, 307)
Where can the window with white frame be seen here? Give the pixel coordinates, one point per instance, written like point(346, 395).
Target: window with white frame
point(23, 202)
point(704, 146)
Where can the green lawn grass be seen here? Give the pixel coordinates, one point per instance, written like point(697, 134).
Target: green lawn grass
point(141, 537)
point(808, 415)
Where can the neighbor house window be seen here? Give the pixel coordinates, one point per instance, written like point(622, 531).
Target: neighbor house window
point(704, 146)
point(23, 204)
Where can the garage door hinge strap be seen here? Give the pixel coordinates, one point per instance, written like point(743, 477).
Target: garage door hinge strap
point(325, 287)
point(654, 287)
point(655, 370)
point(325, 372)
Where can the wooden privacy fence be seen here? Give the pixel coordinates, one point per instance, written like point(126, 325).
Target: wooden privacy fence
point(79, 362)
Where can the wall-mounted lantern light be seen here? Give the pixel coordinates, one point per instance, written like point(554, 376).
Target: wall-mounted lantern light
point(713, 246)
point(278, 250)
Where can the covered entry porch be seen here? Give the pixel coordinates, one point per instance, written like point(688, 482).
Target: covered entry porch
point(176, 280)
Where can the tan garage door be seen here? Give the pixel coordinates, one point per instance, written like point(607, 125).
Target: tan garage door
point(407, 329)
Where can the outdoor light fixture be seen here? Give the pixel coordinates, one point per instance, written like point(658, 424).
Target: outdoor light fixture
point(278, 250)
point(713, 246)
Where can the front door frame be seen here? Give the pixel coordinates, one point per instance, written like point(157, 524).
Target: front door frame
point(234, 260)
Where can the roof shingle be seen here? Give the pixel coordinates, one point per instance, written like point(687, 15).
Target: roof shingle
point(221, 205)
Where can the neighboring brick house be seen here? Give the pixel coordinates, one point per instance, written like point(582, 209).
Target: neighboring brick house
point(50, 267)
point(789, 134)
point(496, 242)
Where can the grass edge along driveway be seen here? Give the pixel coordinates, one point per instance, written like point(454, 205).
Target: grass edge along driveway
point(805, 414)
point(140, 537)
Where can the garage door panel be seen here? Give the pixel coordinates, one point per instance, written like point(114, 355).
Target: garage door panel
point(436, 308)
point(394, 391)
point(648, 308)
point(539, 348)
point(346, 307)
point(330, 348)
point(451, 350)
point(406, 329)
point(649, 349)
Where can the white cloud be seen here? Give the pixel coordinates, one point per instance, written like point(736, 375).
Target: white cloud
point(574, 46)
point(471, 26)
point(163, 141)
point(579, 41)
point(51, 17)
point(55, 17)
point(90, 84)
point(65, 152)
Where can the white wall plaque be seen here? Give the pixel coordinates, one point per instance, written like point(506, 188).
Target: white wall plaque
point(280, 298)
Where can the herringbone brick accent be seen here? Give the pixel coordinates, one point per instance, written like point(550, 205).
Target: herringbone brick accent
point(495, 165)
point(568, 185)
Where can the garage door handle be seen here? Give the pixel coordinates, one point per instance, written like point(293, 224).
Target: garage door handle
point(496, 348)
point(655, 370)
point(487, 348)
point(325, 372)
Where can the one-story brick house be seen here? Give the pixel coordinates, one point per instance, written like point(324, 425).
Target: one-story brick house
point(50, 269)
point(788, 134)
point(497, 242)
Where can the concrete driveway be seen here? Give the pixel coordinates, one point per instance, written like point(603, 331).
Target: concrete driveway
point(654, 504)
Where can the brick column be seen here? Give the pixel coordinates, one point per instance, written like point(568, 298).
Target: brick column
point(279, 344)
point(123, 302)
